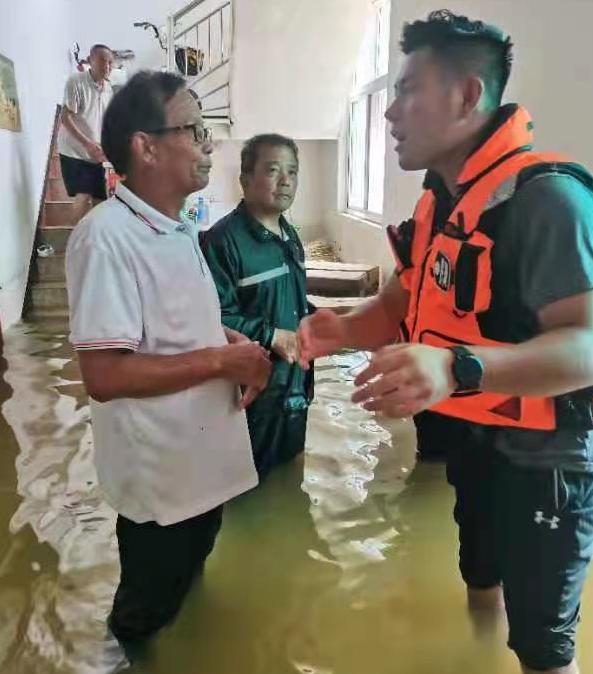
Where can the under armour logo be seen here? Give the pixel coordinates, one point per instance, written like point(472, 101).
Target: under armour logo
point(539, 519)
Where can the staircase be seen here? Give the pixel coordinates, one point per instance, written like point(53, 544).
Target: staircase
point(206, 28)
point(47, 296)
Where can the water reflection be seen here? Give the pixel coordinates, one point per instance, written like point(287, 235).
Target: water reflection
point(353, 476)
point(60, 575)
point(346, 565)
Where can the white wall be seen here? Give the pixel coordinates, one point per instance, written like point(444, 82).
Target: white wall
point(112, 22)
point(307, 213)
point(294, 61)
point(35, 35)
point(552, 76)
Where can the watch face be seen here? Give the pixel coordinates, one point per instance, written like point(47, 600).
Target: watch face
point(468, 372)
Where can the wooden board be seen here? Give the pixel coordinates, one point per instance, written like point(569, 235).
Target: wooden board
point(339, 266)
point(341, 284)
point(340, 305)
point(344, 279)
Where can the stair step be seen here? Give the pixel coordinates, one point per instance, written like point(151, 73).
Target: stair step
point(57, 237)
point(57, 213)
point(55, 170)
point(47, 314)
point(56, 190)
point(51, 268)
point(49, 295)
point(340, 305)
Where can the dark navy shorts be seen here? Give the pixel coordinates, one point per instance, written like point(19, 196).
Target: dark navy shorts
point(83, 177)
point(532, 531)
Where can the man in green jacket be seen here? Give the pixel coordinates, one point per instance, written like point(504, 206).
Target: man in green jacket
point(258, 264)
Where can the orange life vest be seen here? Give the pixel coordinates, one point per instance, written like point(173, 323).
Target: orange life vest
point(448, 273)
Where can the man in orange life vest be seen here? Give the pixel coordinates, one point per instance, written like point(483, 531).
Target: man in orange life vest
point(493, 301)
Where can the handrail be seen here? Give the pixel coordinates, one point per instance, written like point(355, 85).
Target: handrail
point(203, 76)
point(187, 9)
point(215, 91)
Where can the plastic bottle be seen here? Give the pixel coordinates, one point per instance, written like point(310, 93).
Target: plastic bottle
point(202, 213)
point(187, 214)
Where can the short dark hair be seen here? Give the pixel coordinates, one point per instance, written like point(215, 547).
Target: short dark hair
point(251, 149)
point(96, 47)
point(138, 106)
point(466, 47)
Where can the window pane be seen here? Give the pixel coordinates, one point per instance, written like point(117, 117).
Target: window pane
point(366, 62)
point(377, 151)
point(357, 154)
point(383, 26)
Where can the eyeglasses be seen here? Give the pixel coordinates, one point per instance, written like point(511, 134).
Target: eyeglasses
point(201, 135)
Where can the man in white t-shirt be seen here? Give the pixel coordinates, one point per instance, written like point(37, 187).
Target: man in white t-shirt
point(171, 438)
point(86, 98)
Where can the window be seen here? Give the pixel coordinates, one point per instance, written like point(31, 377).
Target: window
point(366, 133)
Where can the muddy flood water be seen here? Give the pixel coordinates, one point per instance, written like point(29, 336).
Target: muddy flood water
point(348, 569)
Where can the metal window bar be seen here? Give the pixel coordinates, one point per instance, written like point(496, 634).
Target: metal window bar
point(218, 16)
point(221, 35)
point(367, 154)
point(202, 20)
point(215, 21)
point(209, 45)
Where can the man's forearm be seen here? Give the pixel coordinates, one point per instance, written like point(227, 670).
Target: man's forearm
point(109, 375)
point(557, 362)
point(377, 322)
point(74, 131)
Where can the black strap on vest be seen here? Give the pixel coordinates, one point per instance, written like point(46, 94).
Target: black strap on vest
point(555, 168)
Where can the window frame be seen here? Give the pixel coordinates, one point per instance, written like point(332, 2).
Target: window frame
point(365, 92)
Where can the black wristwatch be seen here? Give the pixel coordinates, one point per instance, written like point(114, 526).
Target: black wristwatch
point(468, 369)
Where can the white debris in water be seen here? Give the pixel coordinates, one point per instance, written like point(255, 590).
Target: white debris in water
point(36, 566)
point(318, 557)
point(310, 669)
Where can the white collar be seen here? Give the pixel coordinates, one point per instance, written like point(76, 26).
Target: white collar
point(154, 219)
point(99, 87)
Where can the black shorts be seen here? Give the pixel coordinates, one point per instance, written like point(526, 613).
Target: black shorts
point(530, 530)
point(83, 177)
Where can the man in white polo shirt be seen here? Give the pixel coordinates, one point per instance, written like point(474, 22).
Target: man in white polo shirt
point(86, 98)
point(171, 439)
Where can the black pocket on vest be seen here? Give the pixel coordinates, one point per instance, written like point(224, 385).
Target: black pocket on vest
point(466, 277)
point(401, 239)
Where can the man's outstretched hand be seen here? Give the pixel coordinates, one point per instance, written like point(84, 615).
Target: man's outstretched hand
point(405, 379)
point(320, 334)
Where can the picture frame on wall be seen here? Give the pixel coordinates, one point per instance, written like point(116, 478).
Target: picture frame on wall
point(10, 114)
